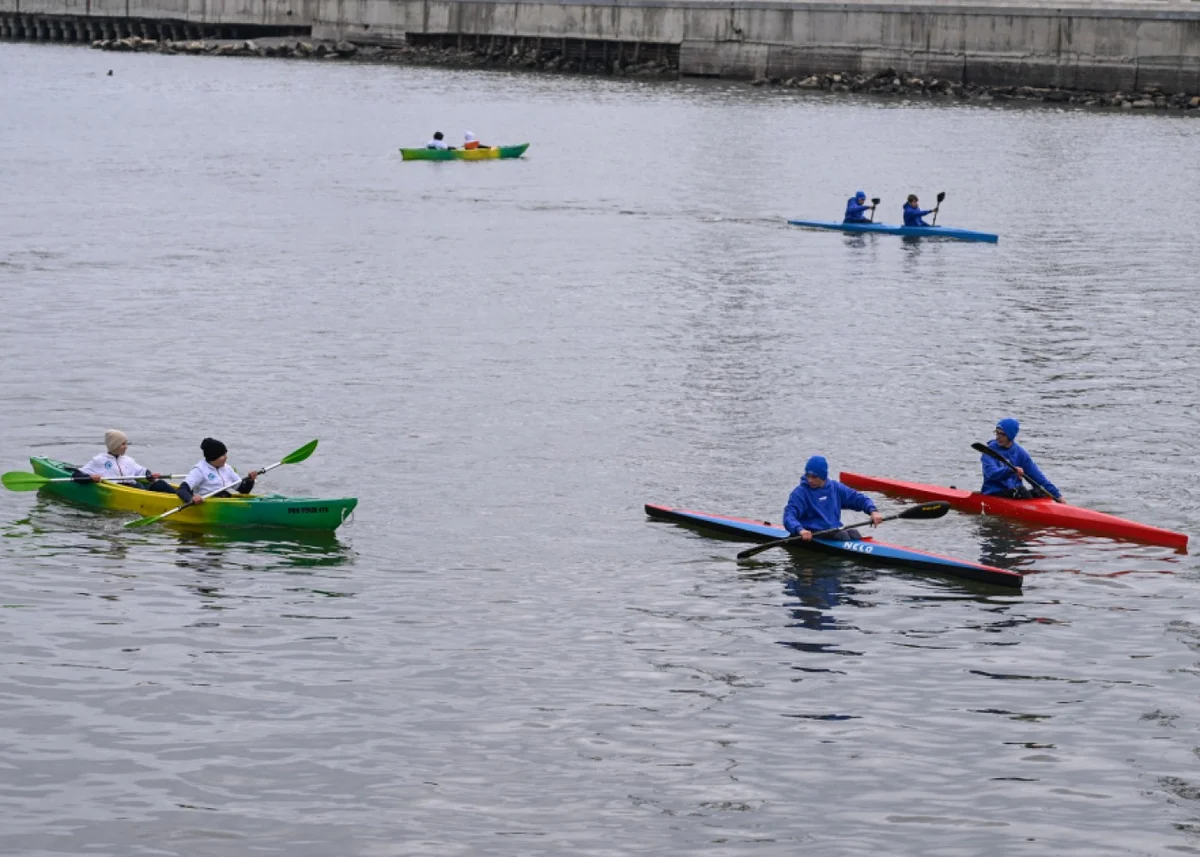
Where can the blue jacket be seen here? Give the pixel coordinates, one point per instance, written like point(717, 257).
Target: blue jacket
point(821, 508)
point(913, 215)
point(854, 211)
point(998, 479)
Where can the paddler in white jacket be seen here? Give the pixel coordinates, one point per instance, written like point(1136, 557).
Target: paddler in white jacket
point(113, 465)
point(212, 473)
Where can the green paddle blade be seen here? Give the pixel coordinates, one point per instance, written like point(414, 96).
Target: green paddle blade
point(16, 480)
point(300, 454)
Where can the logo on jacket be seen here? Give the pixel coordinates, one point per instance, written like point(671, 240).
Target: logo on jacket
point(108, 465)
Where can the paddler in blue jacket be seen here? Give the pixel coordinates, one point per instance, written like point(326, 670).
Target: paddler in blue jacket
point(1001, 481)
point(855, 206)
point(817, 503)
point(913, 212)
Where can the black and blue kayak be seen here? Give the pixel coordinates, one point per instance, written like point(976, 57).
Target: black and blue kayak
point(910, 231)
point(866, 550)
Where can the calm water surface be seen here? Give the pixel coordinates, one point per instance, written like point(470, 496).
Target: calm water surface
point(499, 655)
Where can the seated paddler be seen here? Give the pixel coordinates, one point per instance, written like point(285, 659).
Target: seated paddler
point(213, 476)
point(817, 502)
point(470, 141)
point(116, 465)
point(438, 142)
point(1002, 481)
point(913, 215)
point(856, 208)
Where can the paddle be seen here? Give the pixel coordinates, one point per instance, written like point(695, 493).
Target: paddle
point(874, 204)
point(292, 458)
point(17, 480)
point(924, 511)
point(941, 195)
point(987, 450)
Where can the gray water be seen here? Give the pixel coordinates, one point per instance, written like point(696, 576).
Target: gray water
point(503, 361)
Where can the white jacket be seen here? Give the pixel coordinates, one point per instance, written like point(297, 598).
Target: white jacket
point(114, 467)
point(206, 479)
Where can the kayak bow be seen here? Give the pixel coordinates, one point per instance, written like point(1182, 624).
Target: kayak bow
point(912, 231)
point(250, 510)
point(865, 551)
point(1041, 510)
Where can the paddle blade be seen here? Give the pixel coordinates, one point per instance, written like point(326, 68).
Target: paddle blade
point(935, 509)
point(145, 522)
point(875, 200)
point(941, 195)
point(16, 480)
point(300, 454)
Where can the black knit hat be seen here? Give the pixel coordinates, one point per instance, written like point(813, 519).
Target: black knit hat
point(212, 449)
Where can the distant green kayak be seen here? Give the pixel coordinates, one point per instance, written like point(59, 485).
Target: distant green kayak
point(464, 154)
point(250, 510)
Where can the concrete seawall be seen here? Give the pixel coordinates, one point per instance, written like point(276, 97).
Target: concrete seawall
point(1138, 45)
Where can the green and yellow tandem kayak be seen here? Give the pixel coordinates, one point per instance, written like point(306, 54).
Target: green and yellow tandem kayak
point(464, 154)
point(250, 510)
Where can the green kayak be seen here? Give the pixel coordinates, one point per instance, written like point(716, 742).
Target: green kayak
point(488, 154)
point(250, 510)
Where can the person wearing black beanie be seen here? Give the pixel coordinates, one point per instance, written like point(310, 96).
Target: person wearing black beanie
point(212, 475)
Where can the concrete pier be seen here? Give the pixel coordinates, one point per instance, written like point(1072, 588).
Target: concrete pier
point(1137, 45)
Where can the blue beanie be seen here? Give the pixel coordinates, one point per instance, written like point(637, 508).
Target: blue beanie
point(817, 466)
point(1010, 427)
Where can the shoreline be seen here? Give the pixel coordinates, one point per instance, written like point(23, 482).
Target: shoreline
point(882, 83)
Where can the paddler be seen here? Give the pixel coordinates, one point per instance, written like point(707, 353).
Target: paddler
point(855, 208)
point(211, 473)
point(817, 503)
point(470, 141)
point(912, 212)
point(115, 466)
point(1001, 481)
point(437, 142)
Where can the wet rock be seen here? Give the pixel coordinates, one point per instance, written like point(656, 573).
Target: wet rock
point(1142, 104)
point(345, 49)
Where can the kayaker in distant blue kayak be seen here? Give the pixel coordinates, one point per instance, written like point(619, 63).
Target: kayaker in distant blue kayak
point(817, 503)
point(855, 207)
point(1002, 481)
point(912, 212)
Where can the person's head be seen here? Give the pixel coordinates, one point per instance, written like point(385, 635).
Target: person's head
point(115, 442)
point(912, 199)
point(816, 471)
point(469, 137)
point(861, 196)
point(214, 451)
point(1006, 431)
point(437, 135)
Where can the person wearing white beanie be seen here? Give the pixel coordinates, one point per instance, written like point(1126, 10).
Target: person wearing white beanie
point(113, 465)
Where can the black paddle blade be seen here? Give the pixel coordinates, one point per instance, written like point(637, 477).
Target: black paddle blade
point(991, 453)
point(933, 509)
point(941, 195)
point(875, 200)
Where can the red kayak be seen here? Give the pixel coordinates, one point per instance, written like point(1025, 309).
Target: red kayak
point(1042, 510)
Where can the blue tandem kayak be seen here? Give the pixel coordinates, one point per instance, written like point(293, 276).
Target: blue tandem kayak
point(867, 550)
point(914, 231)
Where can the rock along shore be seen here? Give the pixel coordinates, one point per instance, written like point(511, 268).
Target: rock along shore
point(883, 83)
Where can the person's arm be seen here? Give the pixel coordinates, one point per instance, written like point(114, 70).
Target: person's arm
point(247, 484)
point(84, 478)
point(1035, 473)
point(184, 492)
point(791, 516)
